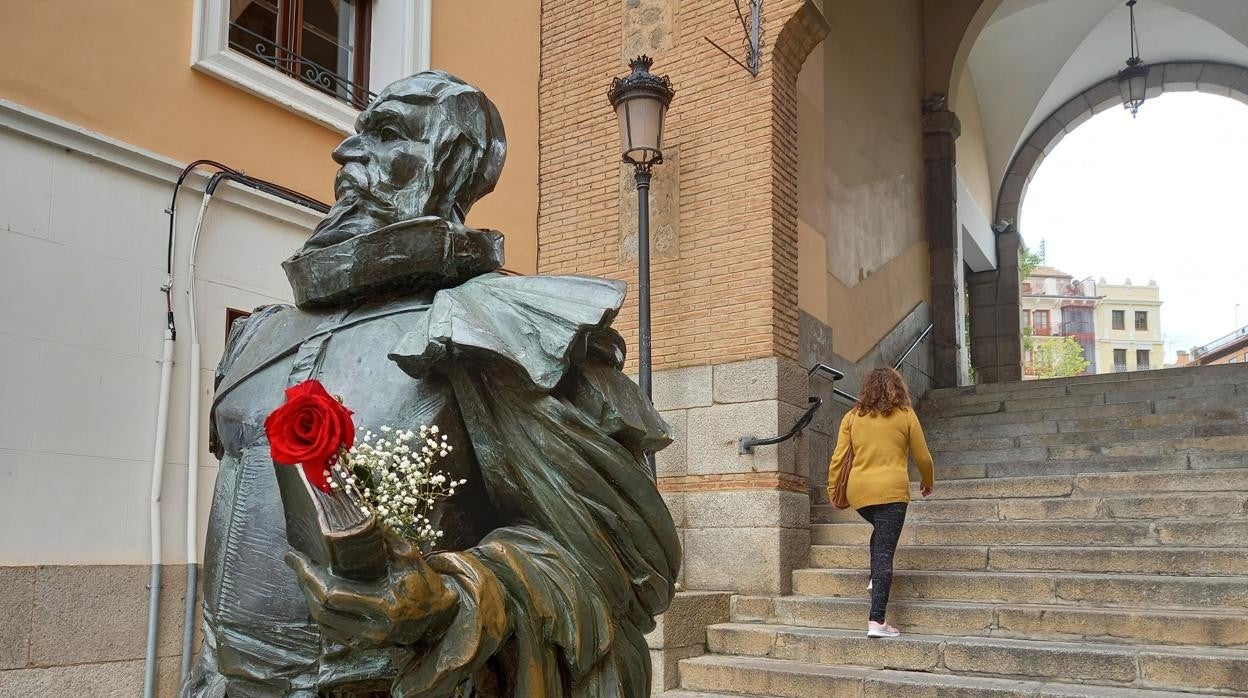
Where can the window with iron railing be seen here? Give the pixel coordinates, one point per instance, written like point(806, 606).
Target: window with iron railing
point(321, 43)
point(1040, 323)
point(1120, 360)
point(1142, 360)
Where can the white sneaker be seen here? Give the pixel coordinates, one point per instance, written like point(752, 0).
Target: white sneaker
point(877, 630)
point(869, 583)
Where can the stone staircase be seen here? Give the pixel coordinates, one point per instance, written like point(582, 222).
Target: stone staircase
point(1088, 537)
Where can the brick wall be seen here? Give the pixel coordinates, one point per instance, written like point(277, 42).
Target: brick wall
point(729, 289)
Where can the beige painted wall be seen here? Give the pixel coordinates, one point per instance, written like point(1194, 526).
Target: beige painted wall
point(497, 47)
point(862, 256)
point(972, 153)
point(122, 68)
point(950, 27)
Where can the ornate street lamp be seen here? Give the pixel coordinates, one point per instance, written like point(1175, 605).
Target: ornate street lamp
point(640, 101)
point(1133, 80)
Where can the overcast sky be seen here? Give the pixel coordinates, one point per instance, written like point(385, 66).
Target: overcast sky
point(1163, 197)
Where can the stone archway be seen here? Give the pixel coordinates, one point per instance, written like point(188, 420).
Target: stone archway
point(996, 346)
point(1196, 76)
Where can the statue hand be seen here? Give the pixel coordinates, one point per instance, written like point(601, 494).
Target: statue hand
point(399, 609)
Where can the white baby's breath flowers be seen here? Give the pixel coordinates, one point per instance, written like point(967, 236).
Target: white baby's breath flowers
point(393, 480)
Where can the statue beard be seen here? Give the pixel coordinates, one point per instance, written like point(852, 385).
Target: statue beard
point(362, 207)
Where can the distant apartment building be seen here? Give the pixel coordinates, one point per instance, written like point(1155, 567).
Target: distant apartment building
point(1056, 305)
point(1228, 349)
point(1118, 326)
point(1128, 320)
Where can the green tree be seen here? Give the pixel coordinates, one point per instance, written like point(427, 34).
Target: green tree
point(1028, 262)
point(1058, 357)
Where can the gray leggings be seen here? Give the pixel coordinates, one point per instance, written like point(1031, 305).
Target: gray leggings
point(886, 522)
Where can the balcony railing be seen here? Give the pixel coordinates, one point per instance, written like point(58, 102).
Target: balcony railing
point(1123, 368)
point(1221, 342)
point(1075, 289)
point(327, 80)
point(1063, 330)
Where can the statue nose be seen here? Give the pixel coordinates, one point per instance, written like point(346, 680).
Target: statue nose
point(350, 150)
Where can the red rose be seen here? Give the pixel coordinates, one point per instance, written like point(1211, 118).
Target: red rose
point(308, 430)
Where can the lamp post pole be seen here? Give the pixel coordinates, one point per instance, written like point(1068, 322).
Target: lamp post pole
point(640, 101)
point(642, 175)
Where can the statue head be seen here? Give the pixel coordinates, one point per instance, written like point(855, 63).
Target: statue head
point(429, 145)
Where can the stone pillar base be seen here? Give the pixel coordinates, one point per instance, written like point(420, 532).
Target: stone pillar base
point(681, 633)
point(744, 518)
point(996, 315)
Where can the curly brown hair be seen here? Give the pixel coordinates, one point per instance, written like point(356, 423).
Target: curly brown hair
point(884, 390)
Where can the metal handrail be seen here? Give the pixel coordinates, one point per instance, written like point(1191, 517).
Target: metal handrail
point(746, 444)
point(1220, 341)
point(915, 343)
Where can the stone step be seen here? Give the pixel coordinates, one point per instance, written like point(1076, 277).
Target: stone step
point(1060, 409)
point(774, 678)
point(1020, 621)
point(1203, 533)
point(1092, 484)
point(1070, 409)
point(1022, 402)
point(1190, 561)
point(1052, 588)
point(1213, 374)
point(1176, 505)
point(1087, 445)
point(1162, 387)
point(1210, 419)
point(1109, 441)
point(1144, 666)
point(1216, 457)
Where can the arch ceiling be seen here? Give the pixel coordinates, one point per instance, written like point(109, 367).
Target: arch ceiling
point(1034, 55)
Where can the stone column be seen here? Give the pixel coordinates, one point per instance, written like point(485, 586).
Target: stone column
point(944, 239)
point(996, 317)
point(744, 518)
point(680, 633)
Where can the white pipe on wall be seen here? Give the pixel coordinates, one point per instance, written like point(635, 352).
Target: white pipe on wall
point(192, 406)
point(192, 446)
point(158, 471)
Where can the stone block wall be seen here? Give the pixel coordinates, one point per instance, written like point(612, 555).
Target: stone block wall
point(724, 271)
point(681, 633)
point(744, 518)
point(81, 630)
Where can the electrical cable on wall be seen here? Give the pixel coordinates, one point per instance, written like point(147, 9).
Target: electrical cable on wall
point(223, 173)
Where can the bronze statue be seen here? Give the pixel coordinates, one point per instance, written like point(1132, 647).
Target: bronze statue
point(558, 551)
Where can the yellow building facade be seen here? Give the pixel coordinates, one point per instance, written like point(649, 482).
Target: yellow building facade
point(1128, 321)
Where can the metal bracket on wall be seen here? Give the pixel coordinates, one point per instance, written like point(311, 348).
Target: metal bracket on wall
point(746, 444)
point(753, 30)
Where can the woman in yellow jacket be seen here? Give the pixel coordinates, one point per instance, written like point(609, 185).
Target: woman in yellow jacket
point(883, 430)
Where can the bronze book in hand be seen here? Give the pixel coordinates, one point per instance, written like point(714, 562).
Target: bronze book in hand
point(331, 528)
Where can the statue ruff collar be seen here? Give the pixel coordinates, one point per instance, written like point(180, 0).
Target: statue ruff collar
point(416, 255)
